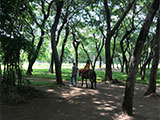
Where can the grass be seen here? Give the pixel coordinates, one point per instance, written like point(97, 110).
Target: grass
point(44, 83)
point(66, 72)
point(40, 70)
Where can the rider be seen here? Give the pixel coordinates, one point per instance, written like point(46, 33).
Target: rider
point(87, 66)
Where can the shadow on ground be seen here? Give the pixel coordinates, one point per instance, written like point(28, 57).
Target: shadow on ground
point(80, 103)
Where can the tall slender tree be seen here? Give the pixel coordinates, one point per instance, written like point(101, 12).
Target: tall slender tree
point(127, 105)
point(76, 44)
point(33, 56)
point(64, 21)
point(153, 74)
point(64, 43)
point(59, 6)
point(110, 32)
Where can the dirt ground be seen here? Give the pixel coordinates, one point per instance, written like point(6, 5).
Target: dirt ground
point(80, 103)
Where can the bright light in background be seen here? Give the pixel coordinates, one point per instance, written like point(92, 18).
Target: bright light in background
point(50, 90)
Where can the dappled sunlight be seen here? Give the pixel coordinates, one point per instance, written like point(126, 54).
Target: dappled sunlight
point(97, 102)
point(121, 86)
point(49, 90)
point(103, 102)
point(110, 101)
point(141, 105)
point(104, 114)
point(122, 117)
point(106, 108)
point(140, 86)
point(75, 91)
point(104, 105)
point(114, 85)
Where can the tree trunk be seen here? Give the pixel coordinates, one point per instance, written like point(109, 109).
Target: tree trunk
point(34, 55)
point(64, 43)
point(51, 64)
point(143, 69)
point(76, 57)
point(110, 33)
point(75, 45)
point(58, 36)
point(100, 61)
point(87, 55)
point(59, 6)
point(0, 74)
point(147, 60)
point(99, 49)
point(120, 61)
point(127, 105)
point(113, 49)
point(125, 61)
point(153, 74)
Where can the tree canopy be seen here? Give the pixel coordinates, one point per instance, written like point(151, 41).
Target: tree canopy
point(112, 32)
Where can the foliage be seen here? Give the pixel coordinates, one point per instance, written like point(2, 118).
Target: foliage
point(12, 41)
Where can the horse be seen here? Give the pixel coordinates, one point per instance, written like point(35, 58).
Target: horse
point(89, 74)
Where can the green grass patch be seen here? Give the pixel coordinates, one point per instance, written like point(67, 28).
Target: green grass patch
point(45, 83)
point(147, 77)
point(41, 83)
point(66, 73)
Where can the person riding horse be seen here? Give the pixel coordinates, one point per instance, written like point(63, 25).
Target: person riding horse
point(87, 73)
point(87, 67)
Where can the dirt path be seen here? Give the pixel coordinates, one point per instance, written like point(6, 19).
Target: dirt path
point(80, 103)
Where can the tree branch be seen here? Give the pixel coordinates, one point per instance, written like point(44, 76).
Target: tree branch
point(122, 17)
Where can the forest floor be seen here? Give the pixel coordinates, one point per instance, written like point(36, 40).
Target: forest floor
point(80, 103)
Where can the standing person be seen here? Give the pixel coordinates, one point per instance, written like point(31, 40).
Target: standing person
point(74, 75)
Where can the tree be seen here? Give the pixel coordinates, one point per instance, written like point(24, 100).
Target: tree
point(59, 6)
point(153, 73)
point(33, 55)
point(110, 32)
point(99, 47)
point(76, 44)
point(64, 21)
point(148, 60)
point(64, 43)
point(12, 42)
point(130, 83)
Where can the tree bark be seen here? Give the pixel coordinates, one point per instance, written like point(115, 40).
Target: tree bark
point(64, 43)
point(100, 58)
point(86, 53)
point(59, 6)
point(110, 33)
point(100, 61)
point(147, 61)
point(153, 74)
point(33, 56)
point(125, 61)
point(99, 49)
point(0, 74)
point(57, 41)
point(76, 52)
point(51, 64)
point(127, 104)
point(114, 47)
point(76, 44)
